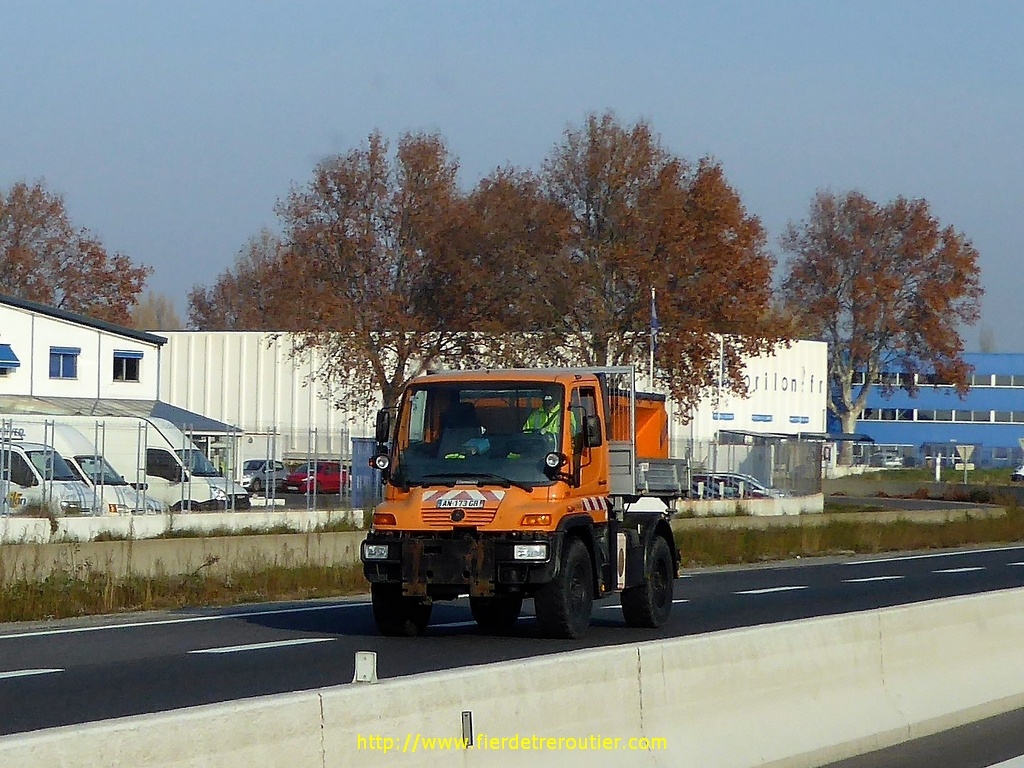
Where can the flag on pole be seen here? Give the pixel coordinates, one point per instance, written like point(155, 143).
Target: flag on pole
point(655, 326)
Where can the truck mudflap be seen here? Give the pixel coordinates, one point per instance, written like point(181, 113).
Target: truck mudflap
point(446, 566)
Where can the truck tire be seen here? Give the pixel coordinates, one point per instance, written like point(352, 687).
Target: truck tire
point(563, 604)
point(496, 615)
point(397, 615)
point(257, 486)
point(649, 604)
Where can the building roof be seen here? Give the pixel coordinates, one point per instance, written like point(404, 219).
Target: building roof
point(186, 421)
point(74, 317)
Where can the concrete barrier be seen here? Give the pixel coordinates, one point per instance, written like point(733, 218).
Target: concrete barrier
point(214, 555)
point(24, 530)
point(795, 694)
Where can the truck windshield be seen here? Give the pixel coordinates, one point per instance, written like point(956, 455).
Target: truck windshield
point(98, 471)
point(196, 463)
point(477, 433)
point(51, 465)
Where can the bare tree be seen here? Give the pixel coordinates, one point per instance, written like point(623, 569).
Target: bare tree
point(156, 312)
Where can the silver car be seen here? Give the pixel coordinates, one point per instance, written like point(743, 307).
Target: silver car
point(260, 474)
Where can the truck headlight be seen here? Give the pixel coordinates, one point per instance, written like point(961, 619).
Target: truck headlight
point(375, 551)
point(220, 494)
point(530, 551)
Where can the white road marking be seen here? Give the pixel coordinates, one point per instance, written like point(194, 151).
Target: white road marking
point(1015, 563)
point(264, 646)
point(182, 620)
point(870, 578)
point(960, 570)
point(618, 605)
point(929, 554)
point(1013, 762)
point(27, 673)
point(767, 590)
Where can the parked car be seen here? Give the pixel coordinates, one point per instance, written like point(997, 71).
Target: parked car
point(318, 477)
point(1018, 475)
point(886, 459)
point(734, 485)
point(260, 474)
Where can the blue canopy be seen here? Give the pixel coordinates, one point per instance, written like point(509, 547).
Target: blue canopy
point(7, 357)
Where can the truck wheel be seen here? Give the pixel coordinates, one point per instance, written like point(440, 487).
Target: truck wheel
point(649, 604)
point(496, 615)
point(257, 486)
point(563, 604)
point(396, 614)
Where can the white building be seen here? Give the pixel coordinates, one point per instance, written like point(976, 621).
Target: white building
point(55, 362)
point(250, 379)
point(47, 352)
point(242, 395)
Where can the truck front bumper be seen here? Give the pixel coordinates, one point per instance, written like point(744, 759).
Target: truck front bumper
point(474, 564)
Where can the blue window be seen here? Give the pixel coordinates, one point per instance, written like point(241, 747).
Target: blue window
point(126, 365)
point(64, 362)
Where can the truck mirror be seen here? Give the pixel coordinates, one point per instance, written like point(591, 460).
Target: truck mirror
point(592, 432)
point(383, 426)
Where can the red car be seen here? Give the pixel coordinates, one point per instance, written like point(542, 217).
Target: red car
point(326, 477)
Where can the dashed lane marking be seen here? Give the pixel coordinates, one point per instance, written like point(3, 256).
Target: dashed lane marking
point(768, 590)
point(264, 646)
point(27, 673)
point(182, 620)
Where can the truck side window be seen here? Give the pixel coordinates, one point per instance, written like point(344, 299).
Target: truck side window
point(584, 398)
point(21, 473)
point(161, 464)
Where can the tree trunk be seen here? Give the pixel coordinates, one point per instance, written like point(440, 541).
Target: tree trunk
point(849, 422)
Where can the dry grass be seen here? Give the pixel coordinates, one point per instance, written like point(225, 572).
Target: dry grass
point(65, 593)
point(710, 546)
point(79, 590)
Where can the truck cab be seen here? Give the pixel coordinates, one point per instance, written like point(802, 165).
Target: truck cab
point(503, 485)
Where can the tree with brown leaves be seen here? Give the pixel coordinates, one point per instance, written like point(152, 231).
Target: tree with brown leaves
point(248, 295)
point(370, 241)
point(643, 218)
point(888, 287)
point(43, 258)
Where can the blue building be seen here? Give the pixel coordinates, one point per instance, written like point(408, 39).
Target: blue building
point(936, 419)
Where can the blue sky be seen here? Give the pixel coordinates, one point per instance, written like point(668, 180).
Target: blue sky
point(173, 128)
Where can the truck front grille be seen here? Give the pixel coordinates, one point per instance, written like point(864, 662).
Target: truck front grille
point(442, 518)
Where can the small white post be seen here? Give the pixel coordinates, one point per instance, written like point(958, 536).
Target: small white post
point(366, 667)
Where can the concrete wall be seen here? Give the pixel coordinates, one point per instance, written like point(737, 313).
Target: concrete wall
point(795, 694)
point(216, 556)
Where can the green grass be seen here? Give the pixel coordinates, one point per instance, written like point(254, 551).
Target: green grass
point(987, 476)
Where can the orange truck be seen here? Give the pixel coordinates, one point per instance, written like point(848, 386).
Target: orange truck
point(523, 483)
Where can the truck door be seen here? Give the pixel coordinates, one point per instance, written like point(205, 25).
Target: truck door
point(590, 463)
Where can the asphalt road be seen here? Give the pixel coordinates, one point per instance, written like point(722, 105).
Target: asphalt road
point(78, 671)
point(995, 741)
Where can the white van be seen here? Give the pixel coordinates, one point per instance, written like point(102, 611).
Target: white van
point(86, 460)
point(155, 452)
point(35, 475)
